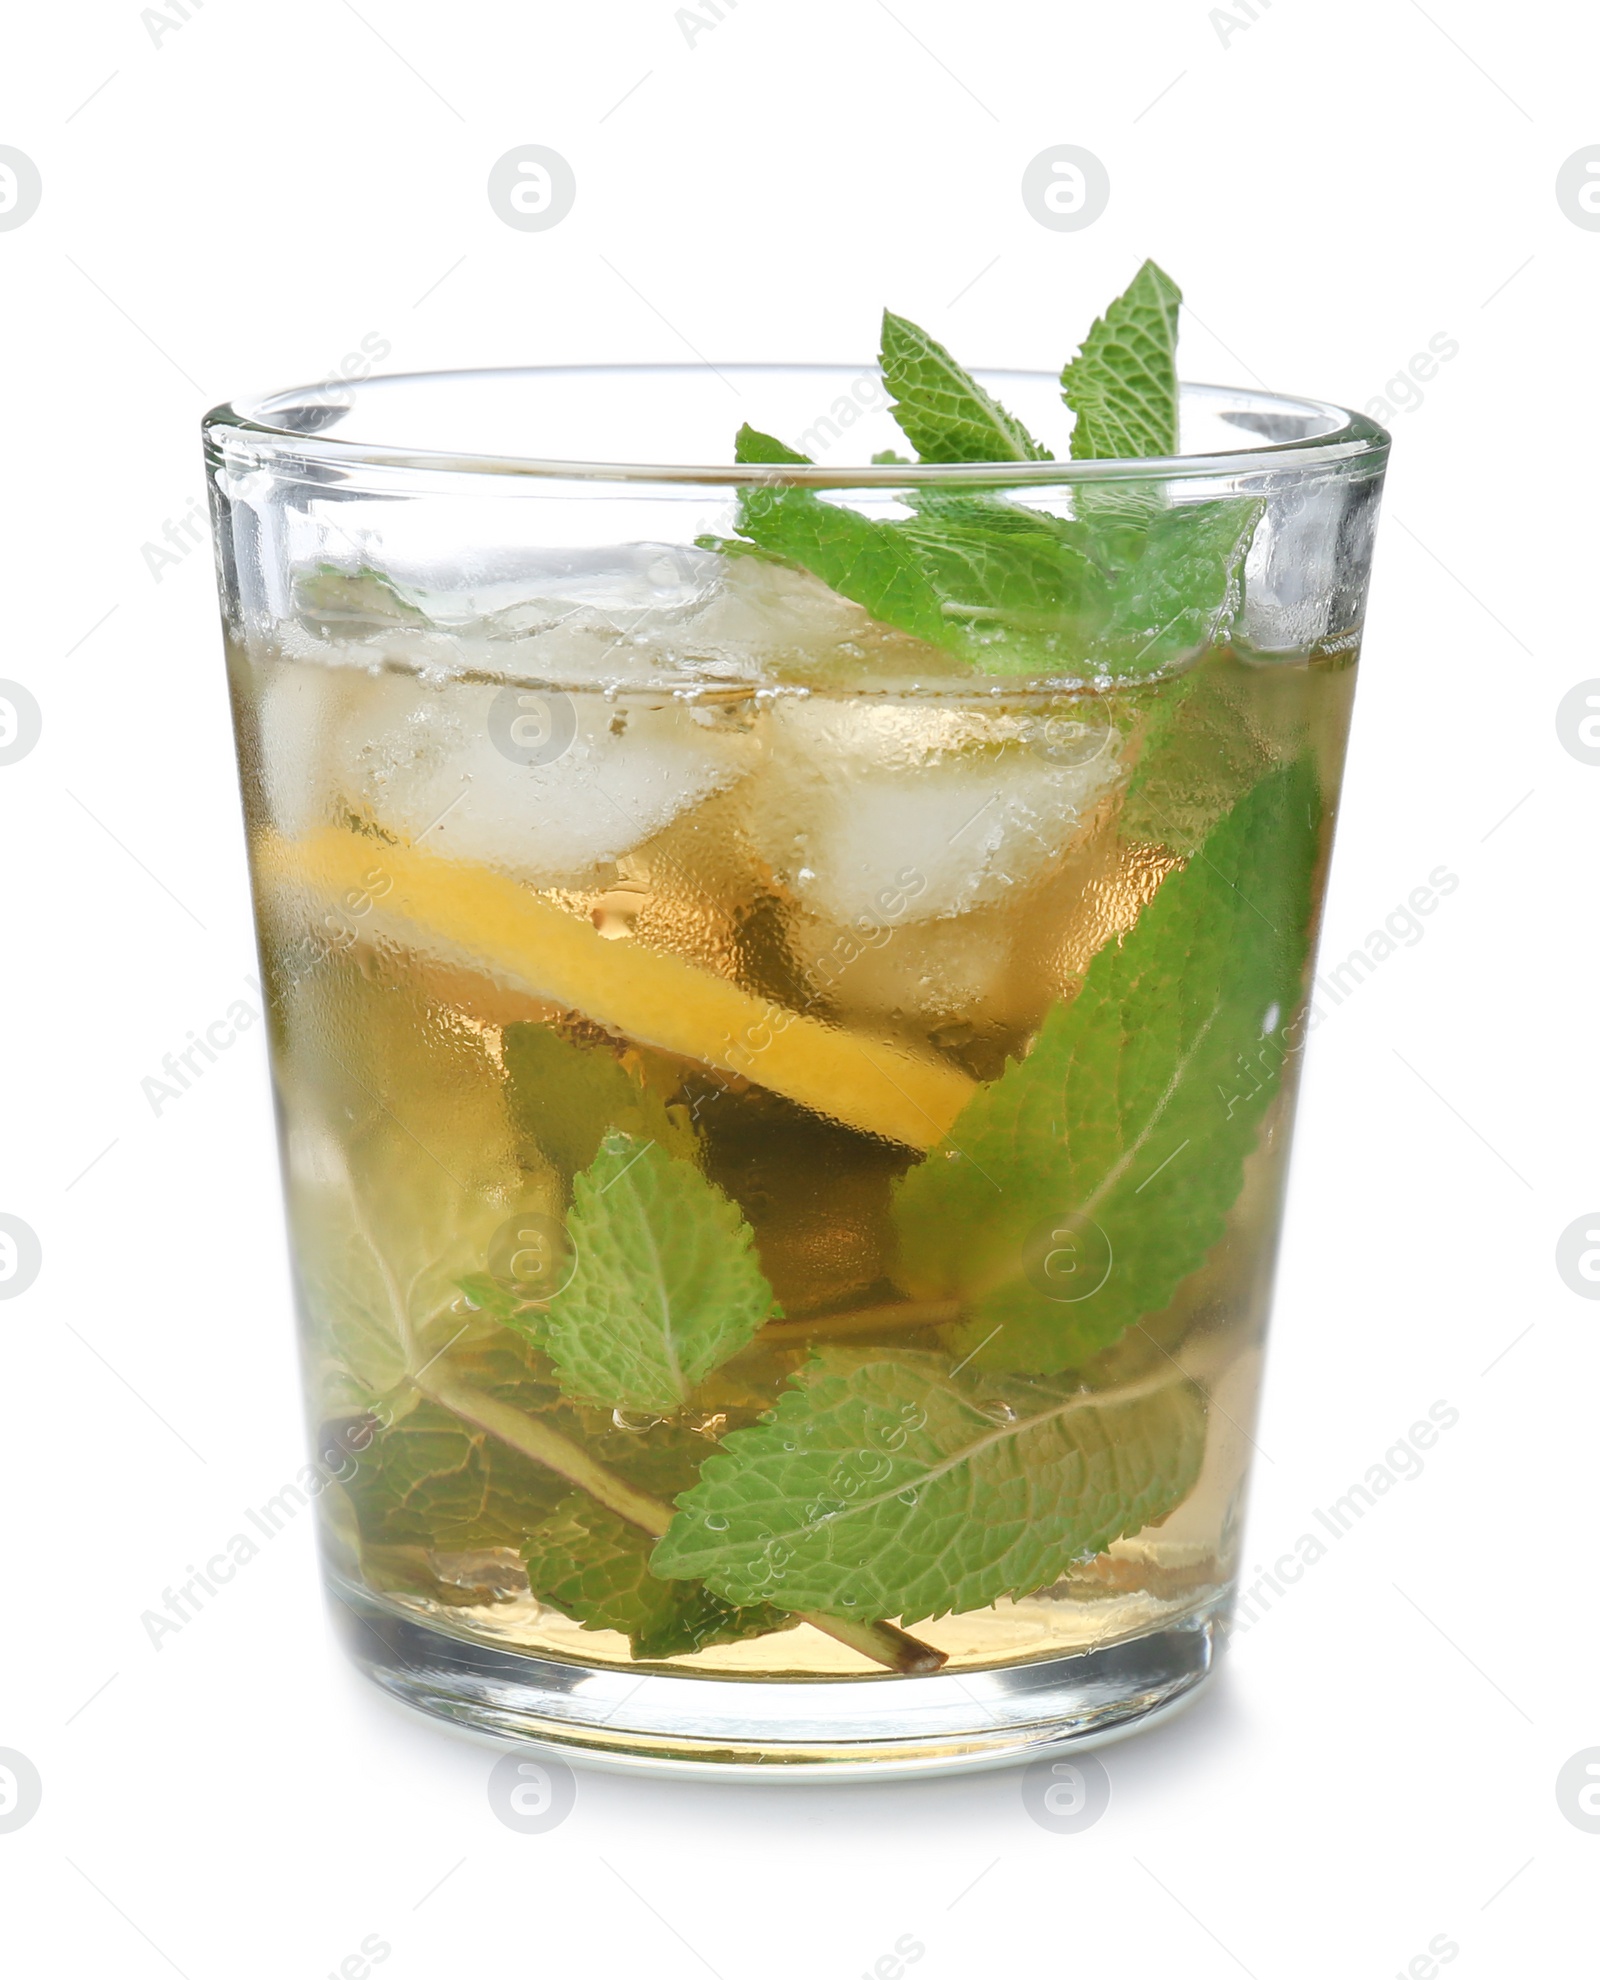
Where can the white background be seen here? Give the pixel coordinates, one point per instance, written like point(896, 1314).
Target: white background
point(247, 194)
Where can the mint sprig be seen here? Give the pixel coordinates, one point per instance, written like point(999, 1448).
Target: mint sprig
point(1126, 586)
point(885, 1485)
point(1077, 1192)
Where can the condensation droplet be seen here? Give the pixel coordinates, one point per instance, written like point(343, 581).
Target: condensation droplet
point(716, 1522)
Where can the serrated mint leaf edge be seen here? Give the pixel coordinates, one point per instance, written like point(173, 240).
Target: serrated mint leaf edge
point(1138, 403)
point(604, 1282)
point(934, 398)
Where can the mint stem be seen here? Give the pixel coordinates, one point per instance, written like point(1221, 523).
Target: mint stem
point(548, 1447)
point(864, 1320)
point(880, 1641)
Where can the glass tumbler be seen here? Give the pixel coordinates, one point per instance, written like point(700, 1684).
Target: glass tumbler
point(786, 987)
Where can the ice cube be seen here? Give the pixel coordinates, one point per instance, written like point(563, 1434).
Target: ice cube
point(428, 761)
point(940, 808)
point(575, 614)
point(786, 625)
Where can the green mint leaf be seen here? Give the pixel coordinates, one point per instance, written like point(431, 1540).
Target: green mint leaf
point(1126, 588)
point(663, 1459)
point(432, 1479)
point(666, 1286)
point(402, 1167)
point(1116, 1148)
point(1006, 589)
point(382, 1251)
point(1201, 750)
point(883, 1486)
point(752, 446)
point(593, 1566)
point(500, 1301)
point(564, 1094)
point(870, 562)
point(1123, 384)
point(346, 599)
point(1178, 594)
point(942, 410)
point(1023, 590)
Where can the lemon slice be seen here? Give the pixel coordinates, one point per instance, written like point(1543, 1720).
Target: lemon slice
point(464, 913)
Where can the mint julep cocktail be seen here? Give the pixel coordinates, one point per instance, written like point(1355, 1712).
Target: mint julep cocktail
point(786, 983)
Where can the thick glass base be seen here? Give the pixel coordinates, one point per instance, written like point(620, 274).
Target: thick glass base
point(816, 1729)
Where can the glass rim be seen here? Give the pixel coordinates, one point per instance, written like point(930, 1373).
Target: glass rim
point(1351, 438)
